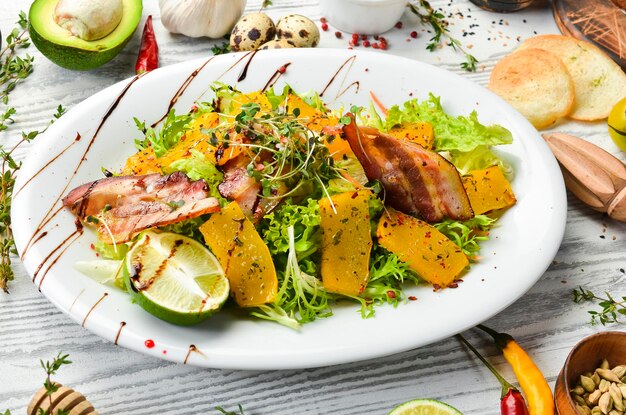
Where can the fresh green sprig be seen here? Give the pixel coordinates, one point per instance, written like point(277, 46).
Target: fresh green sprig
point(265, 4)
point(220, 49)
point(14, 68)
point(51, 368)
point(8, 172)
point(612, 309)
point(429, 16)
point(225, 412)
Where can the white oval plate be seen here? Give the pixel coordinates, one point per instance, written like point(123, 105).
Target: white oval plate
point(520, 250)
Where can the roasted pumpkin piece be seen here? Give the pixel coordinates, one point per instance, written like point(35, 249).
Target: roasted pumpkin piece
point(203, 122)
point(419, 133)
point(245, 258)
point(239, 100)
point(142, 162)
point(346, 242)
point(488, 189)
point(427, 251)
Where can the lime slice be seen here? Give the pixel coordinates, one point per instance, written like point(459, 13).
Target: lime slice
point(175, 278)
point(424, 407)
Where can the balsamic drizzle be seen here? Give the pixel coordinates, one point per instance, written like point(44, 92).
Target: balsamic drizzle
point(244, 72)
point(54, 261)
point(119, 331)
point(351, 59)
point(48, 216)
point(45, 166)
point(92, 307)
point(274, 78)
point(181, 90)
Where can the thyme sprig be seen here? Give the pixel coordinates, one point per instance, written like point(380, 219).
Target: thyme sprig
point(8, 171)
point(51, 368)
point(14, 68)
point(225, 412)
point(429, 16)
point(221, 49)
point(611, 311)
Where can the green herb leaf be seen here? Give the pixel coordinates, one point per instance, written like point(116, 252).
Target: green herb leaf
point(460, 133)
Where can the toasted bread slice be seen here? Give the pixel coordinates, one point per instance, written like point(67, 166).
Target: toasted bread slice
point(599, 82)
point(536, 83)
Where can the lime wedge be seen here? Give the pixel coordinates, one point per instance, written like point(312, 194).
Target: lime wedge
point(424, 407)
point(175, 278)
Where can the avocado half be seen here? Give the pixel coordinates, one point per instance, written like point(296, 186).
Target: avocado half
point(72, 52)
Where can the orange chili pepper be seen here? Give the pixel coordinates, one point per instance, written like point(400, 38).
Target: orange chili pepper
point(531, 380)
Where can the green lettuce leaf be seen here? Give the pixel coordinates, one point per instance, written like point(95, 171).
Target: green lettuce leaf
point(451, 133)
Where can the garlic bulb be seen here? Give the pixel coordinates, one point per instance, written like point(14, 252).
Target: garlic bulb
point(197, 18)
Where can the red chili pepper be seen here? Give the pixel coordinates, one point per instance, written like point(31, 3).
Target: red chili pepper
point(511, 400)
point(148, 58)
point(513, 403)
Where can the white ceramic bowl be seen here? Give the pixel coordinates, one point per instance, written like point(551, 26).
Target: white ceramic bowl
point(369, 17)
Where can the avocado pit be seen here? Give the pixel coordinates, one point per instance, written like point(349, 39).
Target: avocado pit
point(89, 19)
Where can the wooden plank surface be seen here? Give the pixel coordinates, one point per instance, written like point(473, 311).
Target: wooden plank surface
point(118, 381)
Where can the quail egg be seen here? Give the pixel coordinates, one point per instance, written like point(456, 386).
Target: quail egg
point(251, 31)
point(277, 44)
point(299, 30)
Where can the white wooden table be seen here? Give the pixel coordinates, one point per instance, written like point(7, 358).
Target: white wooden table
point(545, 321)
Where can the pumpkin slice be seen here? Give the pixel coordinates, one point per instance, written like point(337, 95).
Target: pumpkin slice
point(346, 242)
point(488, 190)
point(419, 133)
point(245, 258)
point(239, 100)
point(142, 162)
point(427, 251)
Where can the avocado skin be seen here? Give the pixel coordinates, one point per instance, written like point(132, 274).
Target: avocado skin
point(75, 58)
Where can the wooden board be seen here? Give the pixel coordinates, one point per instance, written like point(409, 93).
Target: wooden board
point(600, 22)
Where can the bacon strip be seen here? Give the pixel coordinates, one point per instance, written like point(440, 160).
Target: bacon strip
point(240, 187)
point(127, 205)
point(416, 181)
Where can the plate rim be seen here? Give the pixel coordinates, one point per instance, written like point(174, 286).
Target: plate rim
point(338, 358)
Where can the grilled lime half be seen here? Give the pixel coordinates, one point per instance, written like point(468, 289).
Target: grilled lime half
point(175, 278)
point(424, 407)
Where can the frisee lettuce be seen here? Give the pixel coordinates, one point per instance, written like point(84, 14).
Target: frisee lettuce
point(460, 133)
point(301, 297)
point(466, 235)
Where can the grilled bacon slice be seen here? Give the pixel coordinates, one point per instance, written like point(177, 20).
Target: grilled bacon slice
point(237, 185)
point(126, 205)
point(416, 181)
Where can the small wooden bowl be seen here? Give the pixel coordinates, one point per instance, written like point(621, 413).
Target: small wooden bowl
point(587, 356)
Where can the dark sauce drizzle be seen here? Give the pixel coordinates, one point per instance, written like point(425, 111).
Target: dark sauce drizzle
point(45, 166)
point(59, 246)
point(92, 308)
point(351, 59)
point(244, 71)
point(49, 215)
point(274, 78)
point(33, 239)
point(182, 89)
point(355, 83)
point(54, 261)
point(192, 348)
point(119, 331)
